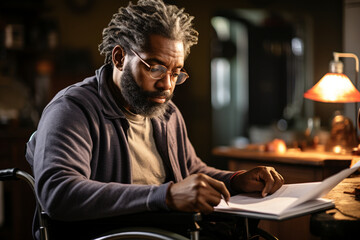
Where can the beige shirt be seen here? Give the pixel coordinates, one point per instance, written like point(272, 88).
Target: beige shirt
point(146, 164)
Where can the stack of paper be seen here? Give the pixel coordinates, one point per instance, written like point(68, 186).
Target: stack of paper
point(289, 201)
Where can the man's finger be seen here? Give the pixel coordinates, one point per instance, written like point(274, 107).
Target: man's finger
point(278, 181)
point(204, 207)
point(273, 181)
point(219, 187)
point(268, 178)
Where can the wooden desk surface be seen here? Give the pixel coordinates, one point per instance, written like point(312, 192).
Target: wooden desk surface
point(343, 222)
point(344, 199)
point(302, 158)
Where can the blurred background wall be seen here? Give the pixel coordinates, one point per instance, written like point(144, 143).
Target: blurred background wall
point(60, 39)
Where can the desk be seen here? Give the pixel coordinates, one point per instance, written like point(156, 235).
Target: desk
point(344, 221)
point(295, 167)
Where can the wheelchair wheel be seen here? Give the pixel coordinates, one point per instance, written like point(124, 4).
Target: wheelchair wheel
point(141, 233)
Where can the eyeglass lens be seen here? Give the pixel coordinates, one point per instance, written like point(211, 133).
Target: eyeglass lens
point(159, 71)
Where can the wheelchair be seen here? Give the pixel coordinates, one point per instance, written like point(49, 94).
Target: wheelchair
point(148, 225)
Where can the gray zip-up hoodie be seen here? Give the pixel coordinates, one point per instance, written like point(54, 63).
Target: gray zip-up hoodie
point(80, 158)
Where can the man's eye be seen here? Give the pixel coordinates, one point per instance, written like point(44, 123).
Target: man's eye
point(154, 69)
point(158, 69)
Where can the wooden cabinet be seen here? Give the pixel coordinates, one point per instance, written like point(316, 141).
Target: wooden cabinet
point(295, 167)
point(18, 199)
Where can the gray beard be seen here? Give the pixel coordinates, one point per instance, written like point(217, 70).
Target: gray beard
point(138, 99)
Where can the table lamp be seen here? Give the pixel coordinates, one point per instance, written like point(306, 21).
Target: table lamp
point(336, 87)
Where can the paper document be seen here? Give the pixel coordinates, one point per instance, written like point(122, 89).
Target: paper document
point(289, 201)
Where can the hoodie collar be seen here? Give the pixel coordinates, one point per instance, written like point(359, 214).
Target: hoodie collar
point(110, 108)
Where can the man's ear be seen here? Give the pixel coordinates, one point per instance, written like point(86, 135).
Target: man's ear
point(118, 56)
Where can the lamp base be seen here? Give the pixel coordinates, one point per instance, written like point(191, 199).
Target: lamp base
point(342, 136)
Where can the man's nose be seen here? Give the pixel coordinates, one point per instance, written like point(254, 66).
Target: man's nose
point(166, 82)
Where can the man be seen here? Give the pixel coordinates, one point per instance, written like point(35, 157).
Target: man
point(116, 144)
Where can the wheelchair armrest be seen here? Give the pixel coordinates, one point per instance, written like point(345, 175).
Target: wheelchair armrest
point(143, 218)
point(158, 218)
point(8, 174)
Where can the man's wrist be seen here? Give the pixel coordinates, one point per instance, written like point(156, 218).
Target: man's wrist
point(235, 185)
point(168, 198)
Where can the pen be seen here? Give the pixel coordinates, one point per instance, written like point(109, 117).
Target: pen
point(222, 196)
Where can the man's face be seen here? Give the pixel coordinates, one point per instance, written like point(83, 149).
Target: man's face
point(144, 95)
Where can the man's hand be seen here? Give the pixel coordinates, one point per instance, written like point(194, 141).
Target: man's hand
point(196, 193)
point(260, 179)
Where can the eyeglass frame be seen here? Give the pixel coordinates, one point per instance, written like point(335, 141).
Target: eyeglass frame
point(182, 71)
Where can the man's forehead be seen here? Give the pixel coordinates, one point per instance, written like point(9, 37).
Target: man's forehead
point(158, 44)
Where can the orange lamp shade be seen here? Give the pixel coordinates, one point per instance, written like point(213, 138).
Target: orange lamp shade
point(333, 87)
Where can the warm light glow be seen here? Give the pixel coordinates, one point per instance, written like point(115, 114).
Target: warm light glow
point(281, 148)
point(276, 145)
point(334, 87)
point(337, 149)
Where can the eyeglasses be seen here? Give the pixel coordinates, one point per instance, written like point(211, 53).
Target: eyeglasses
point(159, 71)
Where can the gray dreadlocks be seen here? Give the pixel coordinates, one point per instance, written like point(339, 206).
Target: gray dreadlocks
point(132, 25)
